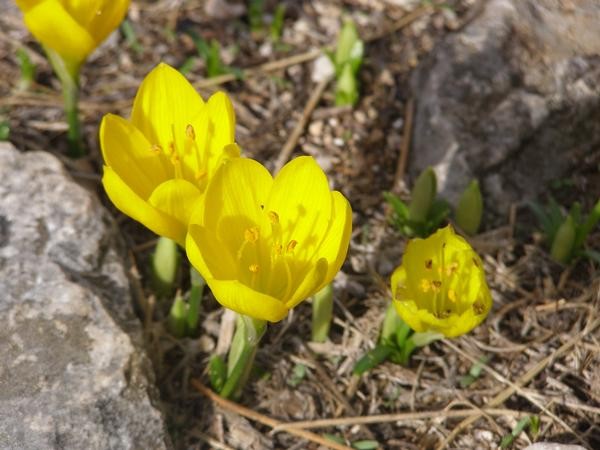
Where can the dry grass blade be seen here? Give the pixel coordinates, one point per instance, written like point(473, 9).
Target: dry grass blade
point(523, 380)
point(261, 418)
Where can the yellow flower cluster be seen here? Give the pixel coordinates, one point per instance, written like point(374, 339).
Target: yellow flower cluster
point(263, 244)
point(441, 285)
point(72, 28)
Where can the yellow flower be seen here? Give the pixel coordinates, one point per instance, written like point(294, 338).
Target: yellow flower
point(158, 164)
point(263, 245)
point(72, 28)
point(441, 285)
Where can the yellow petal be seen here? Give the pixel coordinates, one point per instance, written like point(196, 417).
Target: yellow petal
point(309, 283)
point(302, 199)
point(208, 255)
point(101, 17)
point(222, 127)
point(177, 198)
point(129, 154)
point(55, 28)
point(233, 200)
point(240, 298)
point(128, 202)
point(164, 105)
point(334, 247)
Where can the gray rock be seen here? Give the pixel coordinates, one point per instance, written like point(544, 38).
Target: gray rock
point(552, 446)
point(73, 372)
point(512, 99)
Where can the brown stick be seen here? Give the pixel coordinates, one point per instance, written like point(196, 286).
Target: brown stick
point(290, 144)
point(265, 420)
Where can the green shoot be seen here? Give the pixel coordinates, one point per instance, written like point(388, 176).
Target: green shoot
point(256, 9)
point(347, 59)
point(4, 130)
point(470, 209)
point(298, 373)
point(165, 265)
point(566, 233)
point(474, 372)
point(424, 214)
point(27, 70)
point(210, 52)
point(397, 343)
point(276, 28)
point(130, 37)
point(531, 422)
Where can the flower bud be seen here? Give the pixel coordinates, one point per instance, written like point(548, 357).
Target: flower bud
point(562, 245)
point(470, 209)
point(422, 196)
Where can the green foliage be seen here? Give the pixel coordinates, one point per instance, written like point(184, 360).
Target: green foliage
point(424, 214)
point(397, 343)
point(322, 311)
point(531, 422)
point(470, 209)
point(565, 233)
point(298, 374)
point(347, 59)
point(365, 444)
point(27, 70)
point(276, 28)
point(255, 15)
point(4, 130)
point(165, 265)
point(474, 372)
point(210, 52)
point(130, 37)
point(217, 370)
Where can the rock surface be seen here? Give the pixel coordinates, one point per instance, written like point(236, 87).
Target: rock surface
point(512, 99)
point(73, 372)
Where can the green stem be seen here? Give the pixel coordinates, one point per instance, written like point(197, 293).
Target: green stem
point(68, 74)
point(322, 311)
point(241, 354)
point(195, 299)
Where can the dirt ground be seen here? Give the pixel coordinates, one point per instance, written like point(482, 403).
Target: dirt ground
point(541, 339)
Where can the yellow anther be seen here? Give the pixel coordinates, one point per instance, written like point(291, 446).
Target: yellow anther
point(189, 132)
point(452, 295)
point(425, 285)
point(175, 159)
point(291, 246)
point(253, 268)
point(251, 234)
point(171, 148)
point(436, 285)
point(156, 148)
point(452, 268)
point(273, 216)
point(478, 307)
point(277, 249)
point(428, 264)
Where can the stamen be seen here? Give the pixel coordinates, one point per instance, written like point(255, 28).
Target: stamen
point(452, 295)
point(428, 264)
point(251, 234)
point(425, 285)
point(189, 132)
point(291, 246)
point(253, 268)
point(273, 217)
point(171, 148)
point(436, 285)
point(277, 249)
point(156, 148)
point(450, 270)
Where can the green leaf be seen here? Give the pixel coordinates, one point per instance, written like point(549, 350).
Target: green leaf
point(425, 338)
point(470, 209)
point(165, 264)
point(422, 196)
point(365, 445)
point(276, 27)
point(217, 370)
point(4, 131)
point(130, 37)
point(508, 440)
point(298, 373)
point(334, 438)
point(176, 321)
point(372, 359)
point(474, 372)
